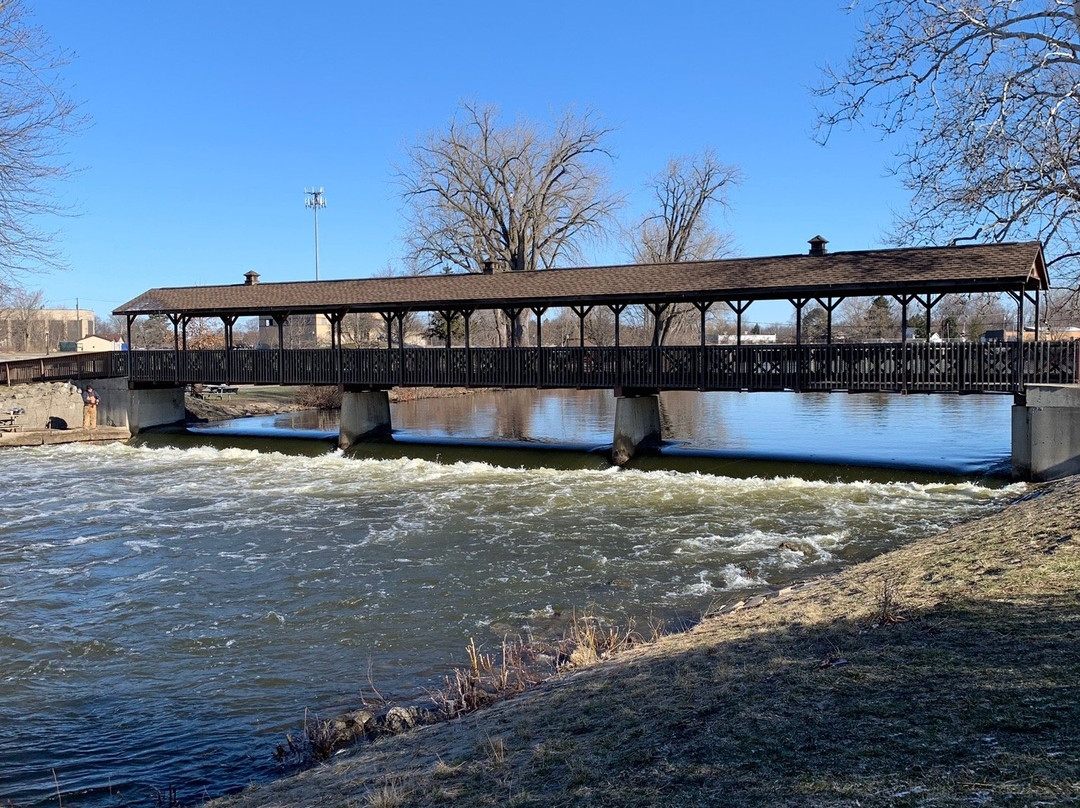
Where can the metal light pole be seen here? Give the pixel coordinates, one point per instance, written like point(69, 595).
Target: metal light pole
point(315, 200)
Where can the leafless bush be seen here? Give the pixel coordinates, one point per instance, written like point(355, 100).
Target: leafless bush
point(888, 611)
point(319, 397)
point(518, 665)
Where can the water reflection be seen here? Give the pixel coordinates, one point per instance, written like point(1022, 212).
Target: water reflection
point(968, 435)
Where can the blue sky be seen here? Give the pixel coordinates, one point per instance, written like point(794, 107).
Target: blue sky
point(209, 119)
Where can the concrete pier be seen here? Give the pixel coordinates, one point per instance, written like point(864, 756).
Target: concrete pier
point(364, 414)
point(137, 409)
point(1046, 433)
point(637, 425)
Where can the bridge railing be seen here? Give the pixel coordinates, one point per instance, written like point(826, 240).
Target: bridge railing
point(990, 367)
point(913, 367)
point(64, 367)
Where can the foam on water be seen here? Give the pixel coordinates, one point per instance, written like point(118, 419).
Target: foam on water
point(223, 591)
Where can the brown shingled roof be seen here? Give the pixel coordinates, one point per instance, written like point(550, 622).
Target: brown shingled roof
point(970, 268)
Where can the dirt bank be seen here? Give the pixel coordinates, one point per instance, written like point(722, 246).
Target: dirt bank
point(945, 673)
point(253, 401)
point(234, 406)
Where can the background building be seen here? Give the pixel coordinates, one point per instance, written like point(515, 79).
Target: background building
point(40, 330)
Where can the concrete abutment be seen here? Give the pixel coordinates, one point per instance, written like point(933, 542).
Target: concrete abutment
point(1046, 433)
point(58, 405)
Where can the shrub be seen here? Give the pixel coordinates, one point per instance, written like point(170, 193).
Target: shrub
point(319, 397)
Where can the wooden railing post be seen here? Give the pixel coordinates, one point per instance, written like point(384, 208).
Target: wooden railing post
point(798, 303)
point(541, 374)
point(1018, 374)
point(703, 309)
point(401, 346)
point(617, 310)
point(467, 315)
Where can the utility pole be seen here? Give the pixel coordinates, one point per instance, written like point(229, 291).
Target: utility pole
point(315, 200)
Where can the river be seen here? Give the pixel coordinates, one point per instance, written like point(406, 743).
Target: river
point(170, 609)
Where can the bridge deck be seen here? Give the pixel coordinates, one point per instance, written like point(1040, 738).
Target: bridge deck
point(887, 367)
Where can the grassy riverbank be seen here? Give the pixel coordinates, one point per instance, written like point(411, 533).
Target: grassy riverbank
point(945, 673)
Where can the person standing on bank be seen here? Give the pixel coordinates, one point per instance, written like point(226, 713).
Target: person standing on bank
point(89, 411)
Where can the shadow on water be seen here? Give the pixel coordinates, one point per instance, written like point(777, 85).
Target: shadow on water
point(814, 436)
point(674, 457)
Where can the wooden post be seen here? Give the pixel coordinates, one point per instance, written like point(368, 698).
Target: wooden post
point(281, 319)
point(229, 320)
point(388, 319)
point(738, 306)
point(448, 320)
point(513, 315)
point(175, 320)
point(617, 310)
point(703, 308)
point(335, 319)
point(1035, 301)
point(1018, 373)
point(581, 312)
point(467, 315)
point(131, 354)
point(448, 323)
point(656, 310)
point(401, 346)
point(798, 303)
point(903, 344)
point(540, 374)
point(829, 304)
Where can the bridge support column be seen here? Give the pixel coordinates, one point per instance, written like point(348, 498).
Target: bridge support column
point(637, 425)
point(137, 409)
point(364, 414)
point(1046, 433)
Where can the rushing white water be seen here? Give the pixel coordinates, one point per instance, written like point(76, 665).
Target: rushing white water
point(167, 614)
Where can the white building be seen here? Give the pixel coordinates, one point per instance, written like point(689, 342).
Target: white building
point(94, 343)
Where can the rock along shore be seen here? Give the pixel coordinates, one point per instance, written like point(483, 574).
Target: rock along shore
point(944, 673)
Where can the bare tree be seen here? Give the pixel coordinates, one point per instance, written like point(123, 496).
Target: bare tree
point(21, 320)
point(519, 196)
point(860, 320)
point(679, 227)
point(35, 119)
point(361, 330)
point(988, 93)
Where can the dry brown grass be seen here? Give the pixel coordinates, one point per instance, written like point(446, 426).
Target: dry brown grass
point(946, 673)
point(488, 678)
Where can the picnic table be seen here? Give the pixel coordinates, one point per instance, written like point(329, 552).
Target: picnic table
point(219, 390)
point(9, 419)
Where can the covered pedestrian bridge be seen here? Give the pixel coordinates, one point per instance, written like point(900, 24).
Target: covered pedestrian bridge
point(916, 278)
point(1041, 373)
